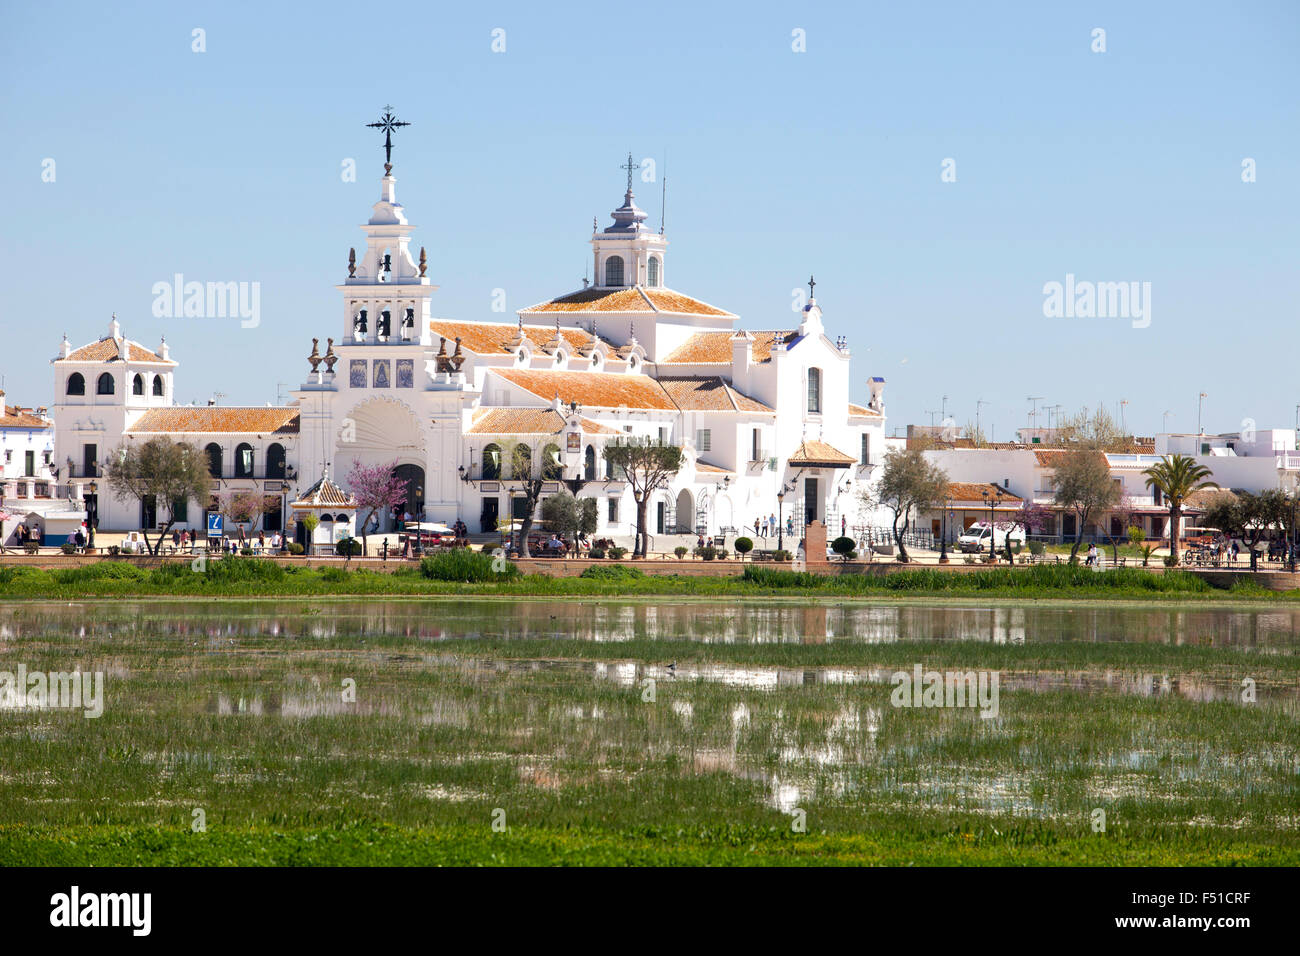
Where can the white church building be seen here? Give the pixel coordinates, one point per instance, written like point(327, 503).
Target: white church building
point(764, 418)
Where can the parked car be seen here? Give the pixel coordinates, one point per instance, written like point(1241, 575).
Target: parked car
point(976, 538)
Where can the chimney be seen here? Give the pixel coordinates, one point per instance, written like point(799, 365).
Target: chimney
point(877, 387)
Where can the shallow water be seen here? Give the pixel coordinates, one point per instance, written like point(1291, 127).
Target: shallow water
point(263, 677)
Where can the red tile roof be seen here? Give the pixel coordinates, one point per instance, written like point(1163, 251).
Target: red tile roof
point(529, 421)
point(974, 491)
point(861, 411)
point(325, 494)
point(596, 389)
point(106, 350)
point(714, 348)
point(492, 338)
point(635, 299)
point(13, 416)
point(709, 393)
point(203, 419)
point(817, 454)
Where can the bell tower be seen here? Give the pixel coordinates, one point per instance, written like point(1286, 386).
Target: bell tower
point(628, 253)
point(386, 297)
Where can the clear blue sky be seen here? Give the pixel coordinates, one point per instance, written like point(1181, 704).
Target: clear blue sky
point(1123, 165)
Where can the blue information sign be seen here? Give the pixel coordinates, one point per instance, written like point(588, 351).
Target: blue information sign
point(214, 525)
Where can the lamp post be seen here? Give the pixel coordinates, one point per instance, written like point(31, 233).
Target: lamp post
point(780, 519)
point(92, 514)
point(992, 500)
point(943, 533)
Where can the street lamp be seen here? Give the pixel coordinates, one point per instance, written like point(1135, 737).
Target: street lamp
point(943, 533)
point(92, 514)
point(992, 500)
point(780, 519)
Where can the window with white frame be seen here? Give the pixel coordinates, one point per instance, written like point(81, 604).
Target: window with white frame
point(704, 439)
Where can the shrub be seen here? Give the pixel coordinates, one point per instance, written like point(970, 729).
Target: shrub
point(462, 564)
point(843, 546)
point(782, 555)
point(254, 569)
point(596, 553)
point(295, 548)
point(348, 546)
point(708, 552)
point(1036, 548)
point(333, 575)
point(680, 551)
point(617, 553)
point(722, 554)
point(114, 550)
point(1170, 562)
point(743, 546)
point(68, 547)
point(246, 552)
point(612, 572)
point(31, 547)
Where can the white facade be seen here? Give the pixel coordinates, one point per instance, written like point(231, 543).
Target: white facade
point(756, 413)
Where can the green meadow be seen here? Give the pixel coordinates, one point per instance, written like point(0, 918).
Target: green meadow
point(528, 731)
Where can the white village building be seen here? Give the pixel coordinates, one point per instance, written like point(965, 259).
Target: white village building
point(757, 413)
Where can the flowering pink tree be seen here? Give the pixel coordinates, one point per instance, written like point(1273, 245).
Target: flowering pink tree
point(376, 488)
point(1030, 516)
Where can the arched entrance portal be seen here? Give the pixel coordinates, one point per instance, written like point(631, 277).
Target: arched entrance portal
point(412, 477)
point(685, 512)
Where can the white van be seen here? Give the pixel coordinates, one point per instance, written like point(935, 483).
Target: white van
point(978, 535)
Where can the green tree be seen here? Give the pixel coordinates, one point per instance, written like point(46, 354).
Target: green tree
point(908, 483)
point(1249, 516)
point(1176, 477)
point(1083, 484)
point(647, 465)
point(569, 516)
point(158, 469)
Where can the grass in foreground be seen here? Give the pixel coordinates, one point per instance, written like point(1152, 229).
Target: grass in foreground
point(465, 573)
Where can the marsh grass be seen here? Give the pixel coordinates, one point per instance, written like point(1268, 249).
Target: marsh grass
point(232, 710)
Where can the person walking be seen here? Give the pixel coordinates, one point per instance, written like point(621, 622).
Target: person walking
point(756, 534)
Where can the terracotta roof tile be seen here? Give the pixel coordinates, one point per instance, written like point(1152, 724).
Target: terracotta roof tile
point(597, 389)
point(529, 421)
point(709, 393)
point(493, 338)
point(635, 299)
point(106, 350)
point(12, 416)
point(199, 419)
point(974, 491)
point(712, 469)
point(714, 348)
point(325, 494)
point(817, 454)
point(861, 411)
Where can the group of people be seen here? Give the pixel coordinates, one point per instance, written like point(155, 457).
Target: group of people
point(24, 534)
point(770, 526)
point(186, 540)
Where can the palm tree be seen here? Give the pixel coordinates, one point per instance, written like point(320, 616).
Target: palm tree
point(1176, 477)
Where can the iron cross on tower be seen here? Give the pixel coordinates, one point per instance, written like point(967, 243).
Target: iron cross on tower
point(388, 122)
point(630, 166)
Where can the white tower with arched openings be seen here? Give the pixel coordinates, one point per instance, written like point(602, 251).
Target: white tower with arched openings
point(386, 297)
point(628, 253)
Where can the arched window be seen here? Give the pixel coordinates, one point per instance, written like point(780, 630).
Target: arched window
point(814, 390)
point(609, 470)
point(275, 460)
point(137, 384)
point(552, 464)
point(243, 460)
point(589, 464)
point(105, 385)
point(652, 272)
point(214, 460)
point(76, 384)
point(492, 462)
point(158, 385)
point(521, 461)
point(614, 270)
